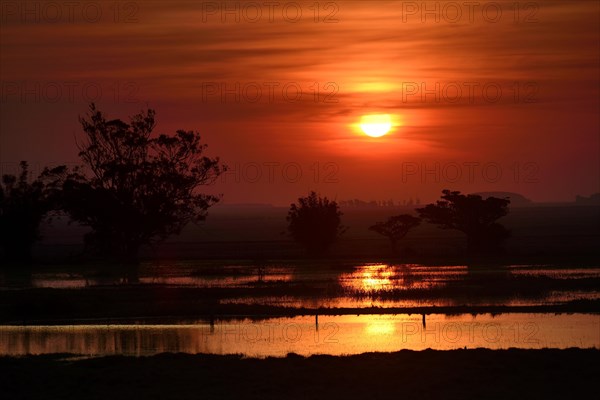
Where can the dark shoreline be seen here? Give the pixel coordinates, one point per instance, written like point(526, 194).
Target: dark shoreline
point(428, 374)
point(235, 312)
point(139, 302)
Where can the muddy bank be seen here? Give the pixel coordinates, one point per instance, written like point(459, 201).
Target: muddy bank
point(456, 374)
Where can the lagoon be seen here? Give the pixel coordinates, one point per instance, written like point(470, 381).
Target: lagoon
point(308, 335)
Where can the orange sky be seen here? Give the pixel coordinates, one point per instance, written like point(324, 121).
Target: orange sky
point(476, 90)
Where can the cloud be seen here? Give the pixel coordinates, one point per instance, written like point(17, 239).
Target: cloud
point(177, 53)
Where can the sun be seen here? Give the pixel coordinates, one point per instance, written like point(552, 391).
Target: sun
point(376, 125)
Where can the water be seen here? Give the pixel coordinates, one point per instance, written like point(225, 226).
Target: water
point(356, 286)
point(366, 277)
point(335, 335)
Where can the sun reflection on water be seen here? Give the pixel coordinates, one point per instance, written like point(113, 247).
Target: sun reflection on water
point(375, 277)
point(335, 335)
point(380, 326)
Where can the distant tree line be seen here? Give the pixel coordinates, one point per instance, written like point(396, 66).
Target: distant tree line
point(315, 222)
point(379, 203)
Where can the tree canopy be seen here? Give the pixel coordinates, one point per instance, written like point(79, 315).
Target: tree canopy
point(396, 227)
point(315, 223)
point(140, 189)
point(23, 207)
point(472, 215)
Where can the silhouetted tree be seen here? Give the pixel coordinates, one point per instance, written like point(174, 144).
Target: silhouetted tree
point(142, 189)
point(396, 227)
point(315, 223)
point(472, 215)
point(23, 207)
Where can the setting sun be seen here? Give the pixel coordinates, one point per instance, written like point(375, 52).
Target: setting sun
point(376, 125)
